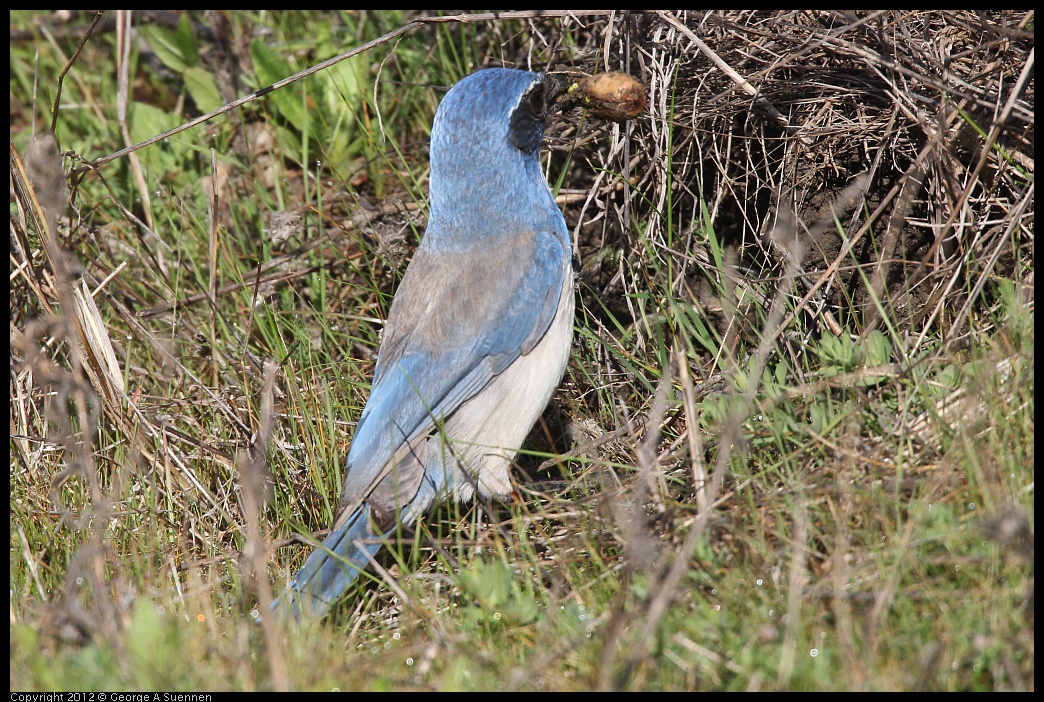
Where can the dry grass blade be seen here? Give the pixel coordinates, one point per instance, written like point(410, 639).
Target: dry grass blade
point(46, 190)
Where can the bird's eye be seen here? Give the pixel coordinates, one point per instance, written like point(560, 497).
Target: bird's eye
point(527, 120)
point(535, 99)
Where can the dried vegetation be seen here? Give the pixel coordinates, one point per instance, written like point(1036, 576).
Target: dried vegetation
point(796, 175)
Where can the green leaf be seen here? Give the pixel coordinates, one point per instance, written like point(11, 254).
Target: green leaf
point(203, 88)
point(692, 321)
point(520, 611)
point(271, 67)
point(878, 348)
point(348, 79)
point(176, 50)
point(489, 583)
point(836, 351)
point(147, 121)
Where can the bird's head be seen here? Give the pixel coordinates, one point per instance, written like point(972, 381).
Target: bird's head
point(484, 146)
point(494, 107)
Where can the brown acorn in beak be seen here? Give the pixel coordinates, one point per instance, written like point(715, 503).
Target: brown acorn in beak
point(613, 96)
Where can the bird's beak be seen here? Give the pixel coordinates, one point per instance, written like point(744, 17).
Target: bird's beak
point(555, 85)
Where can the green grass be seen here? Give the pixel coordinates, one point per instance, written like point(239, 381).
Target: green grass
point(872, 528)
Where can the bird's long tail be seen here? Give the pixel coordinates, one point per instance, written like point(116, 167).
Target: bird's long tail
point(330, 570)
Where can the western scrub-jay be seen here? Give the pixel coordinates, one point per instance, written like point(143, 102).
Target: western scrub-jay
point(477, 338)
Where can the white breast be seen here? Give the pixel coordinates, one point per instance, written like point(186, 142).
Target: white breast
point(486, 431)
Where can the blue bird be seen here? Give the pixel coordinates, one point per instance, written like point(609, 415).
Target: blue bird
point(477, 338)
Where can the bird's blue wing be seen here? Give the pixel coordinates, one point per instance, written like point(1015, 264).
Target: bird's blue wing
point(459, 319)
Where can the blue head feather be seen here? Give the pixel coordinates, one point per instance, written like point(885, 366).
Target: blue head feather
point(485, 171)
